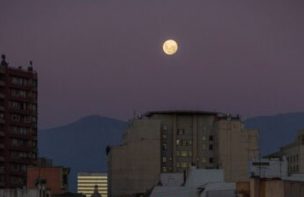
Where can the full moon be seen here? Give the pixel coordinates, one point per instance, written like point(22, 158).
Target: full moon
point(170, 47)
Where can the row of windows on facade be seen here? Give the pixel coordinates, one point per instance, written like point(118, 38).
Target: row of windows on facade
point(187, 154)
point(13, 180)
point(22, 130)
point(23, 81)
point(14, 168)
point(293, 158)
point(22, 155)
point(293, 168)
point(187, 143)
point(22, 106)
point(185, 165)
point(182, 132)
point(21, 118)
point(21, 142)
point(22, 93)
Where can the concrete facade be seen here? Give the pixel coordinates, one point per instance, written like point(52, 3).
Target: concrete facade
point(134, 165)
point(173, 141)
point(236, 147)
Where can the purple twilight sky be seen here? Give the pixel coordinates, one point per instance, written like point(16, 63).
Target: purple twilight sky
point(104, 56)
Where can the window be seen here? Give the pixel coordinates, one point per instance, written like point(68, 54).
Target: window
point(210, 146)
point(204, 147)
point(184, 164)
point(184, 153)
point(211, 160)
point(180, 131)
point(211, 138)
point(164, 147)
point(178, 142)
point(204, 160)
point(164, 159)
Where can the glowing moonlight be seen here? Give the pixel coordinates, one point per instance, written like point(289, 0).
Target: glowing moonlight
point(170, 47)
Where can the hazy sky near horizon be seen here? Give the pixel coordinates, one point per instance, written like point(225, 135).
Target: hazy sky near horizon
point(104, 56)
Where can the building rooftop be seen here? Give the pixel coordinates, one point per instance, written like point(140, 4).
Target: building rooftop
point(191, 112)
point(92, 174)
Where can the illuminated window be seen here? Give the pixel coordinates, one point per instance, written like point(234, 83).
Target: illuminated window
point(184, 153)
point(184, 164)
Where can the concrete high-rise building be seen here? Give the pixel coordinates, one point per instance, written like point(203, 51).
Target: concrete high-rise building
point(88, 182)
point(172, 141)
point(18, 123)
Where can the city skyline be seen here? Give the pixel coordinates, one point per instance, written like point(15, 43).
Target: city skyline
point(105, 57)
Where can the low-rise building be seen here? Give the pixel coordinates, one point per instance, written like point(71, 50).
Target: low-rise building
point(88, 183)
point(197, 183)
point(52, 178)
point(265, 187)
point(269, 168)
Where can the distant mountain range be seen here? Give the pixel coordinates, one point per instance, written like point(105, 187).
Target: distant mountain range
point(81, 144)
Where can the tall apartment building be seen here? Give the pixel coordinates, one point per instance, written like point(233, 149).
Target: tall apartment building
point(87, 183)
point(294, 153)
point(18, 123)
point(172, 141)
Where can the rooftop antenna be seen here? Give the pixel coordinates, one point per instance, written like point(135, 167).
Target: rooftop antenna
point(30, 68)
point(3, 62)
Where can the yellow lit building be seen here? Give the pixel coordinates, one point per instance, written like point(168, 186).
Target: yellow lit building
point(86, 183)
